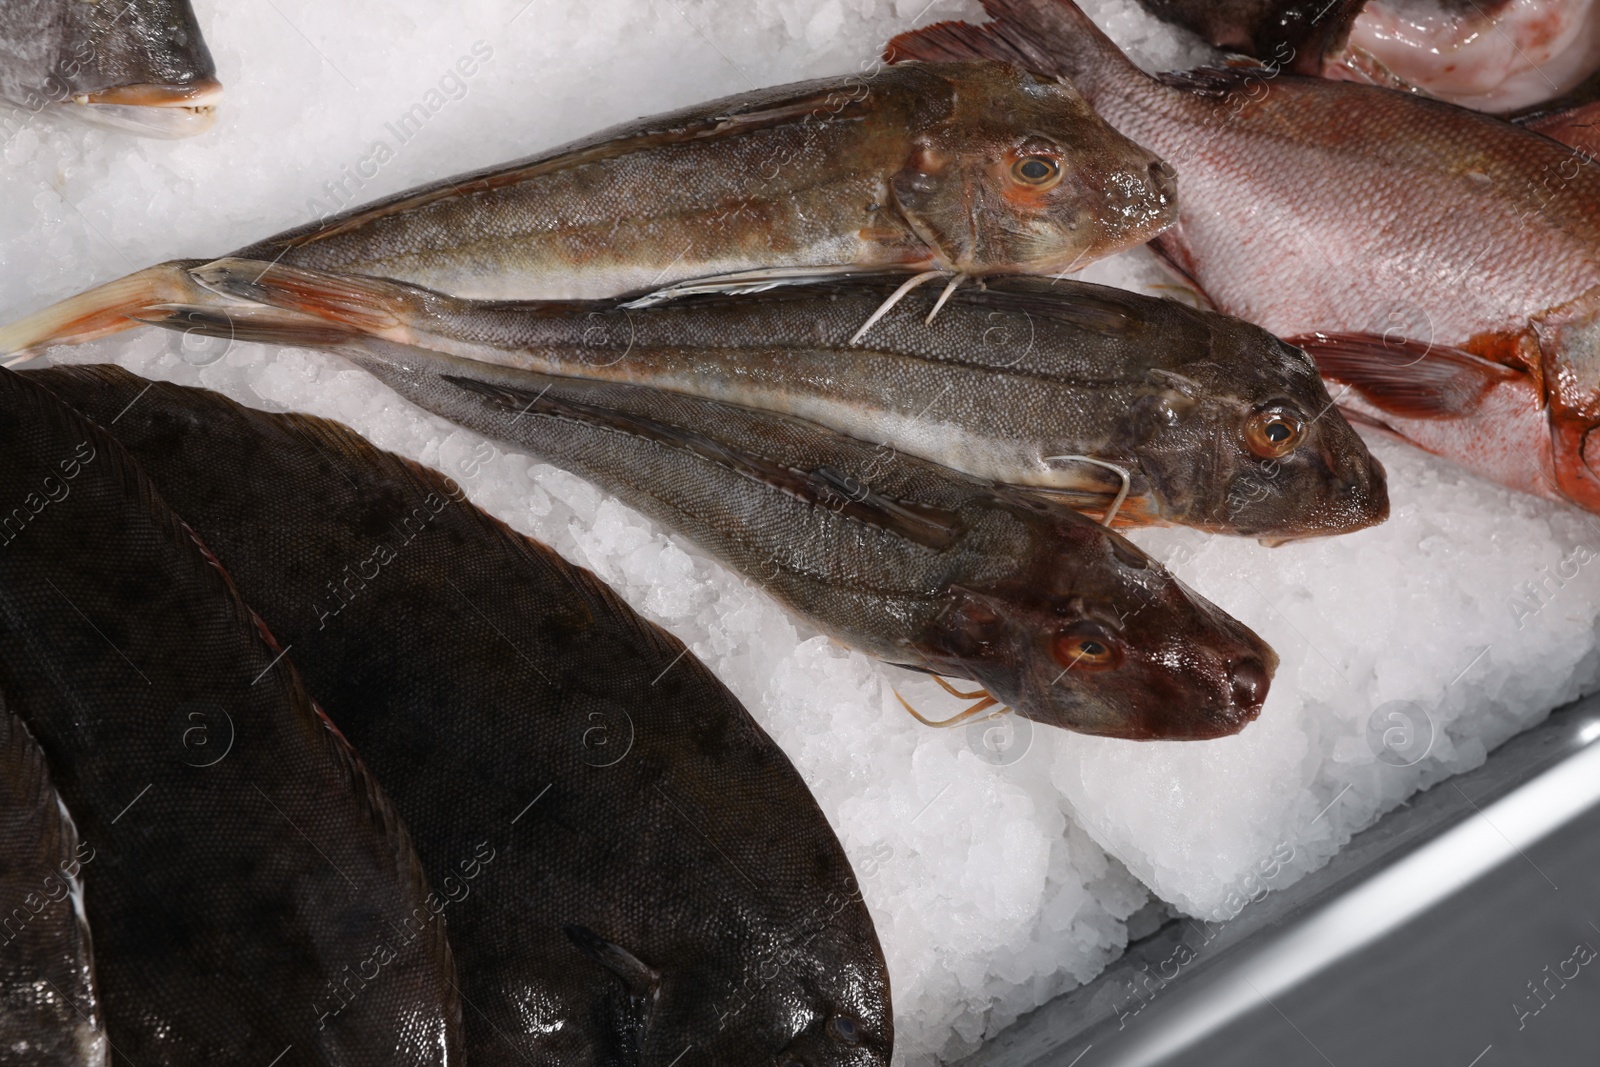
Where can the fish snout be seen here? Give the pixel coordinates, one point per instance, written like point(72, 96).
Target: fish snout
point(1164, 180)
point(1250, 678)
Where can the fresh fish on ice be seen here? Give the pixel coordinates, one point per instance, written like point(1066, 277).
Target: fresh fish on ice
point(972, 168)
point(1292, 35)
point(1421, 228)
point(252, 894)
point(624, 852)
point(1050, 613)
point(1049, 384)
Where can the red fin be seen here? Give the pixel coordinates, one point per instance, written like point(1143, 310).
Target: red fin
point(1578, 128)
point(1410, 379)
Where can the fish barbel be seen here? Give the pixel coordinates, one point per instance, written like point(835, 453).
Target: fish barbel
point(244, 860)
point(49, 1001)
point(973, 168)
point(1420, 228)
point(136, 65)
point(1051, 613)
point(624, 852)
point(1049, 384)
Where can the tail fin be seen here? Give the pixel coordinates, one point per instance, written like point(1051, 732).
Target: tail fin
point(362, 303)
point(1052, 37)
point(105, 310)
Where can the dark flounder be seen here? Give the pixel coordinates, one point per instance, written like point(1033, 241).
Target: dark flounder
point(634, 871)
point(245, 863)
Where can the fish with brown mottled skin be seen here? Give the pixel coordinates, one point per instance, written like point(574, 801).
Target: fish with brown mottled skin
point(974, 168)
point(1051, 385)
point(1051, 613)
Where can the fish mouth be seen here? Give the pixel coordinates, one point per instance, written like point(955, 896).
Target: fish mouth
point(154, 110)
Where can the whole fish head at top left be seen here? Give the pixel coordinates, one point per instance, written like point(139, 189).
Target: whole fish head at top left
point(1091, 634)
point(1023, 176)
point(135, 65)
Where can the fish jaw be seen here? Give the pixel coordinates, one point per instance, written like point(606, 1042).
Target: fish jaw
point(167, 112)
point(1517, 54)
point(1093, 636)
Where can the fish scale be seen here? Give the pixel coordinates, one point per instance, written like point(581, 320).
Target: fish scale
point(560, 761)
point(244, 859)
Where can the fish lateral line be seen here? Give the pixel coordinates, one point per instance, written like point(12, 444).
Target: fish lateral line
point(825, 487)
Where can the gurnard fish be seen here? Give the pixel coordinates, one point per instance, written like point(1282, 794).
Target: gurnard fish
point(972, 168)
point(1050, 613)
point(136, 65)
point(49, 1001)
point(1366, 264)
point(634, 872)
point(1050, 384)
point(245, 865)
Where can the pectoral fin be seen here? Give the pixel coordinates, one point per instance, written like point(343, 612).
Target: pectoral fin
point(641, 979)
point(1408, 379)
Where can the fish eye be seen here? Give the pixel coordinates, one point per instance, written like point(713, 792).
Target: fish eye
point(1274, 433)
point(845, 1029)
point(1087, 647)
point(1036, 170)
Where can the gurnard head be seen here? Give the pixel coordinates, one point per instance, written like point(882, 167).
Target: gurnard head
point(1247, 441)
point(136, 65)
point(1023, 176)
point(1094, 636)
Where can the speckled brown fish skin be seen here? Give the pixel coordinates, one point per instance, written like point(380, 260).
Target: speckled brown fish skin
point(904, 560)
point(1422, 224)
point(140, 65)
point(243, 858)
point(915, 167)
point(49, 1002)
point(1004, 385)
point(909, 167)
point(558, 760)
